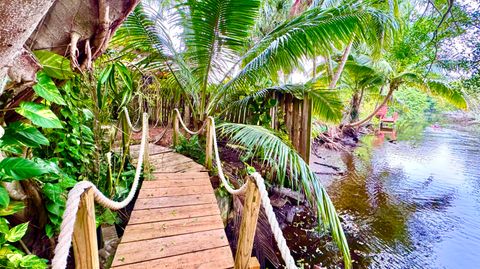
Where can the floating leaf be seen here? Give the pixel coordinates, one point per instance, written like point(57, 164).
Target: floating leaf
point(39, 114)
point(54, 65)
point(47, 89)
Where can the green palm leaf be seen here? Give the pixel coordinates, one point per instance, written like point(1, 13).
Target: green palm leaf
point(279, 155)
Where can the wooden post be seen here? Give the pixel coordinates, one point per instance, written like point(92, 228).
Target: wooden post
point(306, 129)
point(85, 247)
point(176, 130)
point(126, 132)
point(251, 208)
point(146, 154)
point(209, 144)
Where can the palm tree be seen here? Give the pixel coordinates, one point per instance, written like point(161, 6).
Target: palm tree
point(216, 60)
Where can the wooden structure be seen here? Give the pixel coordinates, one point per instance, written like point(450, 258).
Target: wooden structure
point(296, 114)
point(290, 114)
point(176, 222)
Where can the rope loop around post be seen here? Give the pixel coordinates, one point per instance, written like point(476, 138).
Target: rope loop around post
point(62, 248)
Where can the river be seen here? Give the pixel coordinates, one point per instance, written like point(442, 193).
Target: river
point(411, 203)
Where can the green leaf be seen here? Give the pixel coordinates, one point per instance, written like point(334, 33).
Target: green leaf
point(4, 197)
point(4, 225)
point(17, 232)
point(46, 88)
point(34, 262)
point(20, 168)
point(52, 191)
point(13, 207)
point(54, 65)
point(19, 133)
point(39, 115)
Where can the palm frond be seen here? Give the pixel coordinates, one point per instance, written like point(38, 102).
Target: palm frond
point(278, 154)
point(448, 93)
point(215, 28)
point(306, 35)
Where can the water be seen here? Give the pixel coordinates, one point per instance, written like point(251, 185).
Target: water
point(413, 203)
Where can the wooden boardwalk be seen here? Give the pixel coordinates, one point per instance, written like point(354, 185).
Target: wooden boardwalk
point(176, 222)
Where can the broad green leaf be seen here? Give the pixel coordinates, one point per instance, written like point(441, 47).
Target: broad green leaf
point(13, 207)
point(39, 115)
point(20, 168)
point(54, 65)
point(4, 225)
point(4, 197)
point(34, 262)
point(19, 133)
point(52, 191)
point(17, 232)
point(46, 88)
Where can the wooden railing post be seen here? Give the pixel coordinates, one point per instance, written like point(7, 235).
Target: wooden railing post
point(146, 154)
point(176, 130)
point(85, 247)
point(209, 144)
point(251, 208)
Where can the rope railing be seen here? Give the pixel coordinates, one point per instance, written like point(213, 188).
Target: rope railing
point(184, 126)
point(260, 183)
point(129, 122)
point(69, 218)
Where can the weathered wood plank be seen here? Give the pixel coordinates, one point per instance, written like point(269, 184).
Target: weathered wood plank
point(172, 213)
point(174, 191)
point(180, 182)
point(217, 258)
point(183, 175)
point(138, 232)
point(160, 202)
point(134, 252)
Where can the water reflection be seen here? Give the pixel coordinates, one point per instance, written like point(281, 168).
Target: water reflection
point(415, 203)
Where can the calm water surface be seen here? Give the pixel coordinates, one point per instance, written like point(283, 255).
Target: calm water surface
point(413, 203)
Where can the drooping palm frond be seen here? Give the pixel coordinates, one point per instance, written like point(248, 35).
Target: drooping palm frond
point(306, 35)
point(279, 155)
point(448, 93)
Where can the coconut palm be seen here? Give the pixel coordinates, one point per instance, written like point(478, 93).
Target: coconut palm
point(215, 60)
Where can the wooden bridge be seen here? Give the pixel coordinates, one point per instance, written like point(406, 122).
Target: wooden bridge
point(176, 222)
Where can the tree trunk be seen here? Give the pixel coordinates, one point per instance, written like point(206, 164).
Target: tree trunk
point(341, 65)
point(19, 20)
point(393, 87)
point(355, 106)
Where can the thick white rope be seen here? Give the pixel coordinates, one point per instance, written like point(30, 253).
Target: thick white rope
point(185, 126)
point(129, 122)
point(69, 216)
point(272, 220)
point(221, 175)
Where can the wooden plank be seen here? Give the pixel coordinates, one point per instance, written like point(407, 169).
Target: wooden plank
point(174, 191)
point(186, 167)
point(181, 182)
point(218, 258)
point(139, 232)
point(248, 226)
point(253, 263)
point(134, 252)
point(171, 213)
point(161, 202)
point(85, 245)
point(183, 175)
